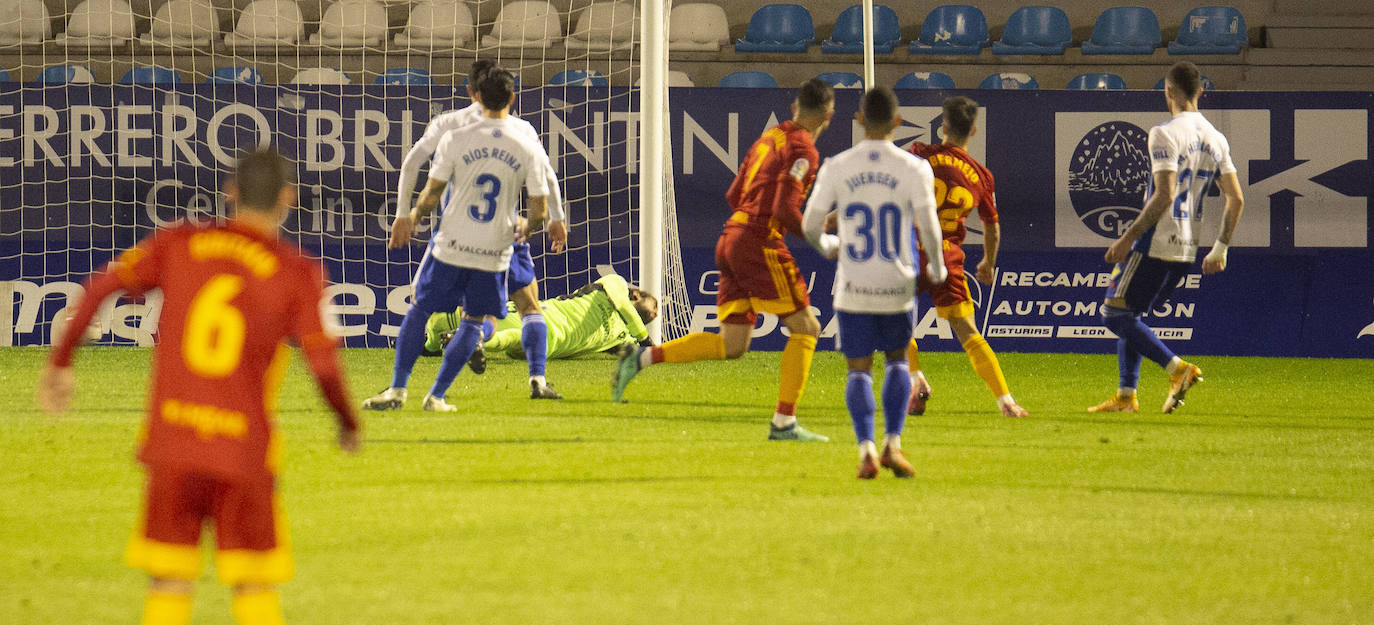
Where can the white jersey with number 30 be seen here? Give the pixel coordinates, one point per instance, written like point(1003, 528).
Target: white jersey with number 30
point(485, 165)
point(1191, 146)
point(880, 190)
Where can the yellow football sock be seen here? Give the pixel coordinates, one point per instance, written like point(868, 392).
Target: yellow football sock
point(985, 364)
point(913, 361)
point(166, 608)
point(794, 370)
point(257, 608)
point(691, 348)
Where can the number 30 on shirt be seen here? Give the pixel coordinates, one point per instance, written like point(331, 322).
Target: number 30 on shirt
point(885, 242)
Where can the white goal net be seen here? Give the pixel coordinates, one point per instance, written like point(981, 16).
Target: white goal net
point(123, 116)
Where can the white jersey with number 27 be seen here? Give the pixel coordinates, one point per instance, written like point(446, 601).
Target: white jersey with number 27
point(880, 190)
point(485, 165)
point(1191, 146)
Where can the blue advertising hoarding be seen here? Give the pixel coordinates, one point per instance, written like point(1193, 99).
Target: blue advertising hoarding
point(89, 170)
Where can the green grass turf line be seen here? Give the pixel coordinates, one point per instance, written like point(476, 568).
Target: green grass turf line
point(1252, 504)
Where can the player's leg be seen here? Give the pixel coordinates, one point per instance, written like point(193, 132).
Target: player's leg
point(255, 604)
point(253, 556)
point(1128, 361)
point(793, 372)
point(1136, 285)
point(920, 387)
point(534, 335)
point(433, 293)
point(168, 602)
point(167, 545)
point(893, 336)
point(484, 293)
point(985, 364)
point(733, 309)
point(534, 338)
point(857, 332)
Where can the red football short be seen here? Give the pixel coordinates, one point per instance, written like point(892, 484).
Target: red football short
point(952, 298)
point(756, 276)
point(250, 528)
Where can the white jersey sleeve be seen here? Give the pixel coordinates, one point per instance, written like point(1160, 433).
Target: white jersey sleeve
point(1163, 151)
point(927, 219)
point(424, 148)
point(818, 206)
point(555, 195)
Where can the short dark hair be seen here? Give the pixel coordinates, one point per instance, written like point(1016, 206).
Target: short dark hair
point(496, 88)
point(879, 107)
point(815, 95)
point(479, 70)
point(1186, 78)
point(260, 176)
point(960, 114)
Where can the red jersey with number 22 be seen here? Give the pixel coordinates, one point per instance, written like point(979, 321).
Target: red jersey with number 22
point(232, 297)
point(961, 185)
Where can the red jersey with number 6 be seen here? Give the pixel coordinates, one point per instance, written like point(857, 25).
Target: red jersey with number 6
point(961, 185)
point(232, 297)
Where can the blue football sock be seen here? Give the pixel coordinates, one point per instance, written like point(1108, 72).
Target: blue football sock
point(1139, 338)
point(409, 343)
point(1128, 362)
point(858, 395)
point(534, 337)
point(456, 356)
point(896, 392)
point(488, 329)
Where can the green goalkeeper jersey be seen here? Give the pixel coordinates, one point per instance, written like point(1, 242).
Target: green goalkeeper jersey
point(595, 318)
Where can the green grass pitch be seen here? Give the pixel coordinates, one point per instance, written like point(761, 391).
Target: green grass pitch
point(1253, 504)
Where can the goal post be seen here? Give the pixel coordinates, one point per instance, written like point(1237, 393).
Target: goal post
point(115, 125)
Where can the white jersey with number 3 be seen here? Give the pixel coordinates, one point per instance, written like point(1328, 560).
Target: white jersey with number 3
point(1191, 146)
point(880, 190)
point(485, 165)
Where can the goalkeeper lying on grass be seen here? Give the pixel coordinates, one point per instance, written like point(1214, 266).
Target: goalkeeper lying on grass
point(596, 318)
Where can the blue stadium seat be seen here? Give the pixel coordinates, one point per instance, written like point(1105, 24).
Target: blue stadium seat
point(1125, 30)
point(1009, 80)
point(848, 37)
point(150, 75)
point(1211, 30)
point(579, 78)
point(226, 75)
point(4, 75)
point(1035, 30)
point(925, 80)
point(952, 29)
point(404, 76)
point(778, 28)
point(748, 79)
point(1101, 80)
point(1207, 84)
point(842, 80)
point(66, 73)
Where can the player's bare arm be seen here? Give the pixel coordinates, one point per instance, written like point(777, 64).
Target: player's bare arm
point(403, 226)
point(536, 212)
point(1215, 261)
point(1154, 209)
point(992, 237)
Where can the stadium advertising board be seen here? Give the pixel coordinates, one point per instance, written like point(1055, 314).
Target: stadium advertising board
point(89, 170)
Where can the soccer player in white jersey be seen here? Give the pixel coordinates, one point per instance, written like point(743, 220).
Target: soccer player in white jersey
point(1187, 155)
point(521, 282)
point(880, 191)
point(485, 164)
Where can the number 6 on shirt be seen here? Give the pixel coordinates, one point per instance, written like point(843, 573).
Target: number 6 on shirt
point(212, 344)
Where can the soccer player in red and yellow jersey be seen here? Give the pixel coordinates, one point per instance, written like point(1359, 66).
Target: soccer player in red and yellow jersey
point(961, 185)
point(233, 295)
point(757, 273)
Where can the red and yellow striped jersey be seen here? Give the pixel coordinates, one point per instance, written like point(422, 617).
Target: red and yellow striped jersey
point(771, 186)
point(961, 185)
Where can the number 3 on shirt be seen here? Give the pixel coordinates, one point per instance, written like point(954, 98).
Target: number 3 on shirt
point(212, 342)
point(493, 185)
